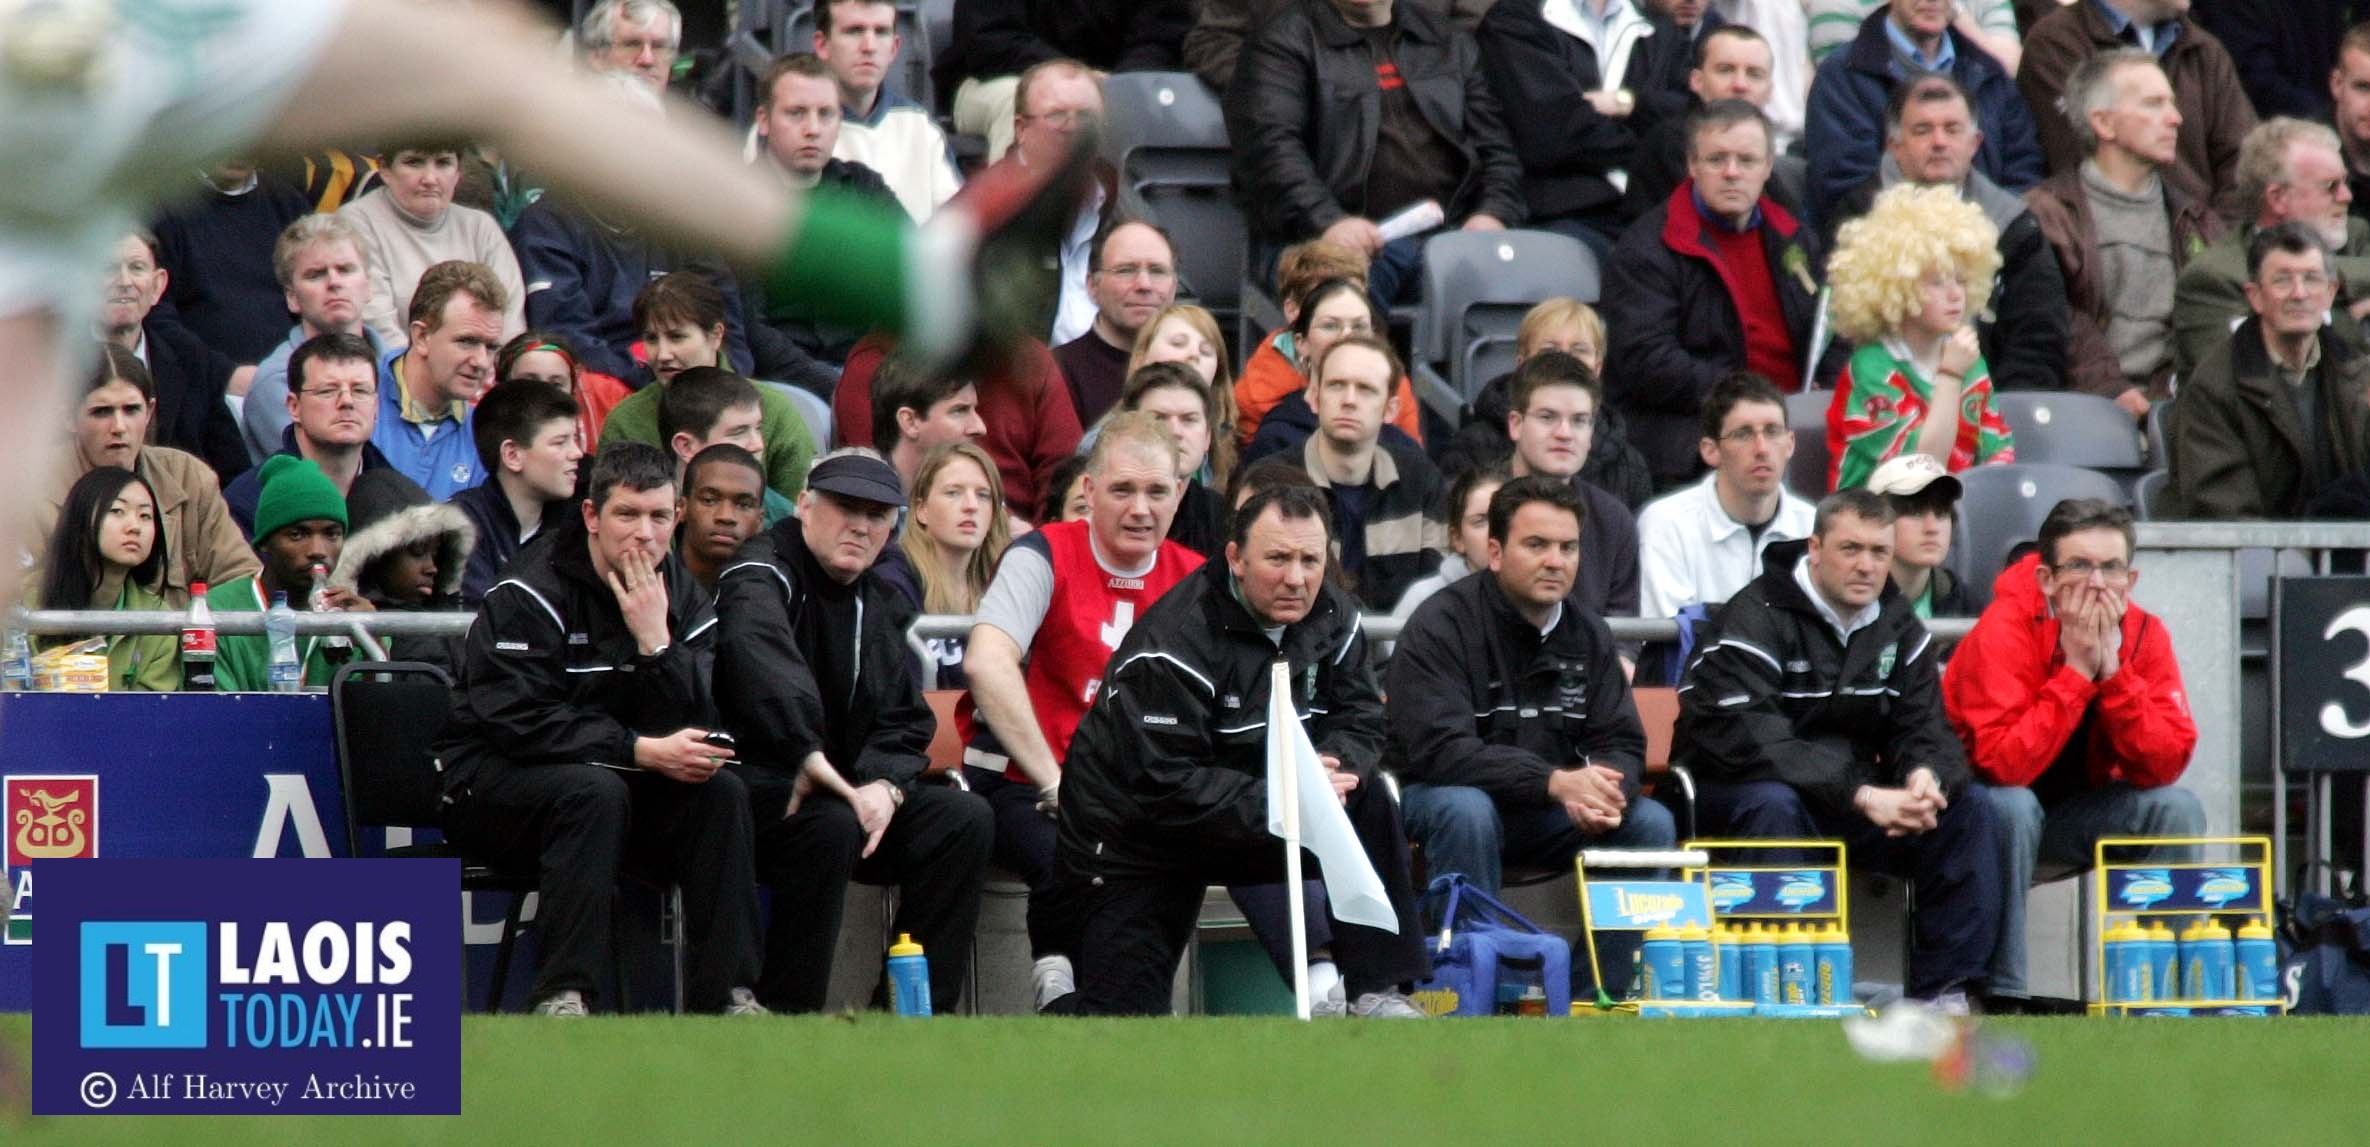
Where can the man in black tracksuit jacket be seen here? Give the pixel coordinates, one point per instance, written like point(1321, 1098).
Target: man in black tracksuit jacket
point(568, 749)
point(815, 682)
point(1165, 789)
point(1504, 689)
point(1795, 730)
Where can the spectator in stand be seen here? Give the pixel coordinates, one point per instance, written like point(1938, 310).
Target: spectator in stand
point(706, 405)
point(322, 269)
point(216, 248)
point(814, 678)
point(1031, 423)
point(1551, 420)
point(107, 553)
point(1184, 333)
point(954, 537)
point(685, 319)
point(405, 554)
point(2283, 50)
point(2349, 94)
point(423, 422)
point(1385, 503)
point(881, 129)
point(1814, 710)
point(1717, 279)
point(1132, 276)
point(1333, 310)
point(1728, 62)
point(635, 38)
point(2281, 410)
point(798, 131)
point(559, 761)
point(2213, 114)
point(1579, 83)
point(1188, 407)
point(583, 275)
point(997, 41)
point(1701, 544)
point(723, 506)
point(1220, 28)
point(2069, 701)
point(915, 412)
point(1931, 140)
point(1060, 100)
point(1907, 279)
point(190, 377)
point(1570, 327)
point(1427, 130)
point(1277, 370)
point(200, 541)
point(1511, 725)
point(1925, 500)
point(1468, 535)
point(527, 432)
point(411, 224)
point(1783, 23)
point(2289, 171)
point(1987, 24)
point(2123, 225)
point(545, 357)
point(1068, 489)
point(1897, 44)
point(333, 410)
point(300, 526)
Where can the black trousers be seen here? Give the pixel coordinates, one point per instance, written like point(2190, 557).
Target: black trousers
point(581, 826)
point(1025, 846)
point(935, 853)
point(1134, 926)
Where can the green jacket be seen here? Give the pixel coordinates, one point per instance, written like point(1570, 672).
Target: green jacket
point(788, 446)
point(2238, 449)
point(244, 664)
point(2211, 296)
point(136, 663)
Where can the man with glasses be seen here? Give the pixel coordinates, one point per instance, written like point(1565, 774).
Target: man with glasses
point(637, 38)
point(333, 408)
point(1700, 544)
point(2289, 171)
point(1551, 416)
point(2280, 411)
point(1131, 273)
point(2070, 703)
point(1716, 279)
point(1056, 102)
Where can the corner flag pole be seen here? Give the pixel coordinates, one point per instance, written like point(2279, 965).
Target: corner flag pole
point(1280, 707)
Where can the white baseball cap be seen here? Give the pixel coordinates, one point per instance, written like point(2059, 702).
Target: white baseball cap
point(1907, 475)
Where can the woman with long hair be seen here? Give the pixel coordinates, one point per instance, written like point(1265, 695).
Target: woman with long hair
point(955, 534)
point(1188, 334)
point(108, 553)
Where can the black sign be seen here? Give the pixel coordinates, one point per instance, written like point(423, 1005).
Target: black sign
point(2324, 673)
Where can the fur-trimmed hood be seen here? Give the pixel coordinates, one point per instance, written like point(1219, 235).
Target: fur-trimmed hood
point(402, 528)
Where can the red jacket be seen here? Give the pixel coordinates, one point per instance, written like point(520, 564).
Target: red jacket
point(2014, 702)
point(1031, 423)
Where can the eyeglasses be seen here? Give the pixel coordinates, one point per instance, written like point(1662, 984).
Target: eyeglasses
point(1152, 271)
point(334, 393)
point(1068, 118)
point(1549, 420)
point(1744, 435)
point(2080, 570)
point(2286, 283)
point(1342, 326)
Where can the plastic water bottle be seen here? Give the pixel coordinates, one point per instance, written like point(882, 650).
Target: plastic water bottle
point(1666, 964)
point(1797, 972)
point(197, 643)
point(16, 662)
point(909, 977)
point(2206, 960)
point(279, 623)
point(2164, 962)
point(1834, 956)
point(2258, 961)
point(1728, 949)
point(1761, 964)
point(1703, 978)
point(2129, 975)
point(336, 649)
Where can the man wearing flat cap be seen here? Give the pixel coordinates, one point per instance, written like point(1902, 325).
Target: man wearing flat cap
point(815, 682)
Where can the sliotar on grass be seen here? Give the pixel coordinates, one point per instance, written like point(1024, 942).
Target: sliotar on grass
point(709, 1082)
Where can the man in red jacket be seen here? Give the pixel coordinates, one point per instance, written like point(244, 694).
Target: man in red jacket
point(2072, 709)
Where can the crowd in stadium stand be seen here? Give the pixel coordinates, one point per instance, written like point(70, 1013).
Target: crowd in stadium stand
point(679, 503)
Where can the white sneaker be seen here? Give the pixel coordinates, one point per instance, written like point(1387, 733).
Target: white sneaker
point(744, 1003)
point(567, 1004)
point(1331, 1005)
point(1386, 1006)
point(1052, 978)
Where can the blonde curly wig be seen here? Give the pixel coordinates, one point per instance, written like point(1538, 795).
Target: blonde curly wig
point(1910, 231)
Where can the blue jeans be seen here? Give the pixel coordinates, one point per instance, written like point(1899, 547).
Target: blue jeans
point(2068, 833)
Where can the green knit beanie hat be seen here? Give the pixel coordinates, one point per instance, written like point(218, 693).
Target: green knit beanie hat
point(295, 490)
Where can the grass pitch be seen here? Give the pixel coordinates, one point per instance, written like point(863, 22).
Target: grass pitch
point(876, 1080)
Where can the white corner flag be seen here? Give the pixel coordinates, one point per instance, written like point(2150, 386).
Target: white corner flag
point(1302, 809)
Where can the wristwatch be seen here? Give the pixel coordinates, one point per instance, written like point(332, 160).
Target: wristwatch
point(896, 794)
point(1626, 100)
